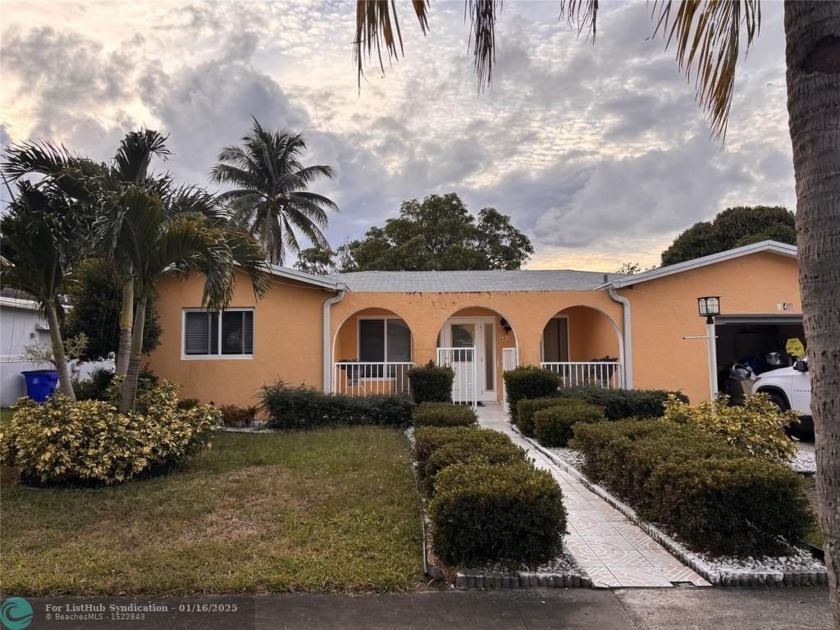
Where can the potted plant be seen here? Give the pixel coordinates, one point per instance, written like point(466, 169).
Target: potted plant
point(41, 383)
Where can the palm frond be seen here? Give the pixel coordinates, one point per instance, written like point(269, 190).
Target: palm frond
point(581, 14)
point(377, 26)
point(483, 35)
point(135, 154)
point(707, 36)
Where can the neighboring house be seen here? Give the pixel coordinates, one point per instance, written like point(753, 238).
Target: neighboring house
point(21, 325)
point(359, 332)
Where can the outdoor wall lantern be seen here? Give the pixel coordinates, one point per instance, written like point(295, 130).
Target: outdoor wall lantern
point(504, 324)
point(709, 307)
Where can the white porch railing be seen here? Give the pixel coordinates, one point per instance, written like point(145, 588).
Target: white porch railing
point(462, 361)
point(606, 374)
point(365, 378)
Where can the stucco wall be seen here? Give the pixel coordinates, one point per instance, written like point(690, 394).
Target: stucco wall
point(665, 310)
point(527, 313)
point(288, 341)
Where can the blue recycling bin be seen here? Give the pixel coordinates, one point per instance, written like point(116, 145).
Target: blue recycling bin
point(40, 384)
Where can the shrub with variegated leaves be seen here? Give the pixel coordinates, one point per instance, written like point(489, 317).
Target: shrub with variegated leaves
point(62, 442)
point(757, 426)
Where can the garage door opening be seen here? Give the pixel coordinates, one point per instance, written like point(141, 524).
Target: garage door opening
point(763, 342)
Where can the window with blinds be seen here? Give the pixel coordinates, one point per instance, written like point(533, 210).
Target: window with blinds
point(228, 333)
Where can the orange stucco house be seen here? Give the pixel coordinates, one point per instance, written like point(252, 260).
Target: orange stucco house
point(359, 333)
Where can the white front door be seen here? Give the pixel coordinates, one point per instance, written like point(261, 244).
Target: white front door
point(473, 353)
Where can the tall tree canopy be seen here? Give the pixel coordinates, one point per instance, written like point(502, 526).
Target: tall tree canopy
point(438, 233)
point(95, 297)
point(706, 35)
point(270, 197)
point(733, 227)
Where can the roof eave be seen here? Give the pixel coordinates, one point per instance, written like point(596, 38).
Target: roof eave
point(773, 247)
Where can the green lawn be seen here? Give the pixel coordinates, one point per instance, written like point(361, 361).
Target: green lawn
point(332, 510)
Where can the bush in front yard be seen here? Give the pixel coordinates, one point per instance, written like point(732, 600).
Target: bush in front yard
point(554, 426)
point(488, 451)
point(238, 417)
point(62, 442)
point(308, 408)
point(731, 506)
point(439, 414)
point(427, 440)
point(529, 381)
point(431, 383)
point(757, 427)
point(707, 491)
point(527, 407)
point(620, 404)
point(483, 513)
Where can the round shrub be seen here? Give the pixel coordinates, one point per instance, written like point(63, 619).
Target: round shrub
point(483, 513)
point(489, 451)
point(554, 426)
point(438, 414)
point(62, 442)
point(431, 383)
point(529, 381)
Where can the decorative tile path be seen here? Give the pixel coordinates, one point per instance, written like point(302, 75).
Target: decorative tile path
point(609, 547)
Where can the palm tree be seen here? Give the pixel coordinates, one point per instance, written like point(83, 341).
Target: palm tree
point(706, 36)
point(42, 236)
point(176, 231)
point(270, 198)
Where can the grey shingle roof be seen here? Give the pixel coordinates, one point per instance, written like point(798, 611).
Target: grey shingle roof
point(472, 281)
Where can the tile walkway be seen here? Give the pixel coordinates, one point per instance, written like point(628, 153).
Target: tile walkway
point(608, 546)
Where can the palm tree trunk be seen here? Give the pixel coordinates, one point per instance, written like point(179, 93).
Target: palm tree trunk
point(65, 383)
point(813, 83)
point(129, 390)
point(126, 322)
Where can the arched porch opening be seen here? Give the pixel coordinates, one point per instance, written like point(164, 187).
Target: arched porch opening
point(479, 344)
point(585, 347)
point(372, 353)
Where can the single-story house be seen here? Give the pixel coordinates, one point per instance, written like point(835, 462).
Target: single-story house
point(359, 333)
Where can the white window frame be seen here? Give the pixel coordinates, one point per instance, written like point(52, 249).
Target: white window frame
point(384, 318)
point(220, 356)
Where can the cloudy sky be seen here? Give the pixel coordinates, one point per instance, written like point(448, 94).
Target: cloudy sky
point(598, 153)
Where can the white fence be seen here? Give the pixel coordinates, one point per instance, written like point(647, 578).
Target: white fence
point(360, 378)
point(462, 361)
point(606, 374)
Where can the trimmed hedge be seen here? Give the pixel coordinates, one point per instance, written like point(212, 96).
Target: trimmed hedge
point(743, 506)
point(554, 426)
point(69, 443)
point(488, 451)
point(440, 414)
point(529, 381)
point(308, 408)
point(619, 404)
point(483, 513)
point(427, 440)
point(712, 495)
point(527, 407)
point(431, 383)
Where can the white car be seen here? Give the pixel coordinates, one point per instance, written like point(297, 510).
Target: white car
point(789, 388)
